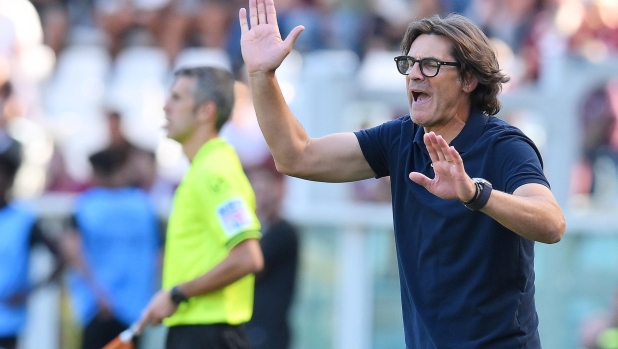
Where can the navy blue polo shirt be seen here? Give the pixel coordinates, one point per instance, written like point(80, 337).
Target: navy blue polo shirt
point(466, 281)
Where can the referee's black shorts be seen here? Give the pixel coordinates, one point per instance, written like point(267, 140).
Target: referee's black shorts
point(214, 336)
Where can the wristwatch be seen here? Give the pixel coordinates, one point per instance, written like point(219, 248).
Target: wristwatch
point(483, 191)
point(177, 296)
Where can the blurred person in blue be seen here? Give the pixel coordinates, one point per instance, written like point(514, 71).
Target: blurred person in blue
point(211, 245)
point(20, 231)
point(465, 236)
point(113, 250)
point(275, 285)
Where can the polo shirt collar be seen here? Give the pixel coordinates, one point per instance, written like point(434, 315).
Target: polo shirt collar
point(472, 130)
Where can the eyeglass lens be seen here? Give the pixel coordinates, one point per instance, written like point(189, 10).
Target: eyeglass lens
point(429, 67)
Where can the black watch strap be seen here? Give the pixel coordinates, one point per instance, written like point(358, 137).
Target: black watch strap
point(483, 191)
point(177, 296)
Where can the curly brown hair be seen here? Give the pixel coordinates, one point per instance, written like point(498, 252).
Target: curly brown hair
point(471, 48)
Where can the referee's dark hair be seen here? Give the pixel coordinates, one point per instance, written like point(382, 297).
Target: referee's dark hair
point(212, 85)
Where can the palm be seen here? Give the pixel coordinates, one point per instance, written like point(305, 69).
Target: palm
point(443, 184)
point(262, 47)
point(450, 181)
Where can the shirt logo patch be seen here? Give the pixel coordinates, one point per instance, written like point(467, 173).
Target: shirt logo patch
point(234, 216)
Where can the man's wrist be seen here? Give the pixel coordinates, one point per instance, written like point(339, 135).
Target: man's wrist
point(483, 191)
point(475, 194)
point(177, 296)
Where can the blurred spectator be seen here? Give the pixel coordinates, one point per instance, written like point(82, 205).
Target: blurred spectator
point(515, 28)
point(291, 13)
point(598, 169)
point(8, 43)
point(20, 233)
point(29, 61)
point(596, 33)
point(601, 332)
point(58, 179)
point(131, 21)
point(141, 168)
point(113, 249)
point(206, 23)
point(456, 6)
point(510, 20)
point(55, 20)
point(345, 24)
point(141, 164)
point(390, 19)
point(25, 29)
point(275, 285)
point(7, 143)
point(243, 131)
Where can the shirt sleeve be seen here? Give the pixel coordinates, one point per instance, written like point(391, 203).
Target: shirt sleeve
point(375, 144)
point(519, 160)
point(233, 209)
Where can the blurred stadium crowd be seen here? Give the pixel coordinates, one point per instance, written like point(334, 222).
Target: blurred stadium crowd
point(69, 63)
point(78, 76)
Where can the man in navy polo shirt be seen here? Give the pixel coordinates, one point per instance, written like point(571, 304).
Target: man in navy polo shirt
point(469, 194)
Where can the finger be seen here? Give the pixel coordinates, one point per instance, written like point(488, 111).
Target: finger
point(271, 14)
point(242, 18)
point(420, 179)
point(444, 148)
point(291, 38)
point(433, 154)
point(454, 155)
point(141, 323)
point(436, 145)
point(261, 11)
point(253, 19)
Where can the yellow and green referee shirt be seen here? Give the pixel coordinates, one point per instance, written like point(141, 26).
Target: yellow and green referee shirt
point(213, 211)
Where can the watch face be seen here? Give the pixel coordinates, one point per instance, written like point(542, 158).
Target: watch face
point(481, 181)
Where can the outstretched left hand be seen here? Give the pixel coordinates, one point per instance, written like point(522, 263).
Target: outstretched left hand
point(451, 182)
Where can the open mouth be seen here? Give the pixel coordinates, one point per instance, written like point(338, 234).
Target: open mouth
point(419, 96)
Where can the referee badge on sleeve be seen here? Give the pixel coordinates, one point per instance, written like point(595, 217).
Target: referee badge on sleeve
point(235, 216)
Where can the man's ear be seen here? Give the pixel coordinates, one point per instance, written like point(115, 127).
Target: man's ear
point(469, 83)
point(207, 112)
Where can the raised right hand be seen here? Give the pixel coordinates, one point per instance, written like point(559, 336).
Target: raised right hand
point(262, 47)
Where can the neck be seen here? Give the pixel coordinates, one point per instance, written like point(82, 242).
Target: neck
point(192, 145)
point(450, 130)
point(454, 125)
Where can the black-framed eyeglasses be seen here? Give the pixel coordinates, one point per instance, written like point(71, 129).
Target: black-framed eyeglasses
point(430, 67)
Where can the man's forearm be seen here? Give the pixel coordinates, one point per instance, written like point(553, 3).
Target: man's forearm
point(534, 217)
point(244, 259)
point(285, 136)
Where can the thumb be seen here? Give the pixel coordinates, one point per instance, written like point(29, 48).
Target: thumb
point(420, 179)
point(291, 38)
